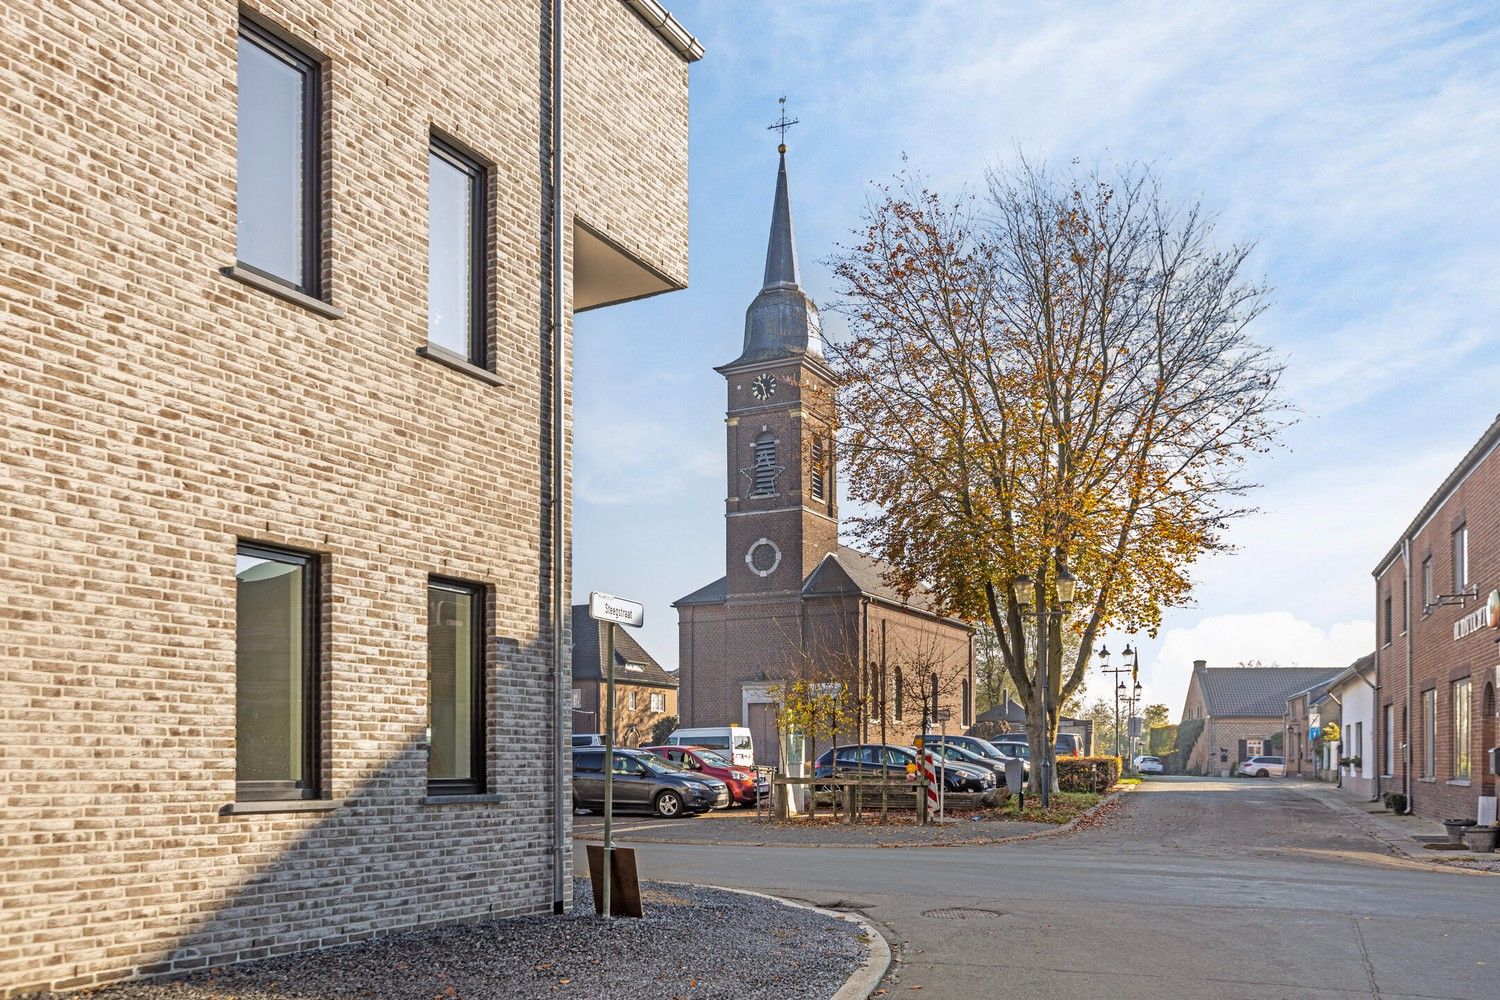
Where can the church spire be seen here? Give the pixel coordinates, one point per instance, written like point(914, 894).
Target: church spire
point(782, 321)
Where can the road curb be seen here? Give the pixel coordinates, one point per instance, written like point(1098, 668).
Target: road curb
point(867, 977)
point(1065, 828)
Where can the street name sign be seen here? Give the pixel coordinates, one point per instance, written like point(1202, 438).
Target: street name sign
point(609, 608)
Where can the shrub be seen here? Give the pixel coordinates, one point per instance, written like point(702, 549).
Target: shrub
point(1397, 801)
point(1087, 774)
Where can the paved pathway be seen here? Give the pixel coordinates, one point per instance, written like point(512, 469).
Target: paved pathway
point(1193, 889)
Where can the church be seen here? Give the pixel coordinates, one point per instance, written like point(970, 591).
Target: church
point(793, 603)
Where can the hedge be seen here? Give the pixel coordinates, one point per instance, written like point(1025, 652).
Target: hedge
point(1087, 774)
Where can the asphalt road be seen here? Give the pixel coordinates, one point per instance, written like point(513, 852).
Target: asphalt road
point(1192, 888)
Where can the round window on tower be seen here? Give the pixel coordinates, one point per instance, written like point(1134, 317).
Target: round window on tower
point(763, 557)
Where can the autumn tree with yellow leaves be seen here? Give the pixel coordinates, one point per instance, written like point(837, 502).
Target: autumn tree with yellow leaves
point(1056, 372)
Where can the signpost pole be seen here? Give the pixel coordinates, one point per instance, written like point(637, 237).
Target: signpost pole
point(609, 761)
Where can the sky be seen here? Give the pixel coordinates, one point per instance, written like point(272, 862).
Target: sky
point(1356, 145)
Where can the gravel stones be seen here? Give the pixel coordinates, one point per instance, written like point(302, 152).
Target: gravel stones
point(695, 943)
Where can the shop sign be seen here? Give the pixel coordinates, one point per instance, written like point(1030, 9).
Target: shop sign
point(1480, 618)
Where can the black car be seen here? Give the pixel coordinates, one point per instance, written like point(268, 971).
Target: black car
point(877, 758)
point(644, 783)
point(954, 752)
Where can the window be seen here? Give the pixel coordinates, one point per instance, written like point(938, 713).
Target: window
point(589, 763)
point(576, 698)
point(1388, 741)
point(456, 253)
point(1357, 748)
point(455, 686)
point(1429, 733)
point(630, 700)
point(658, 702)
point(764, 474)
point(1405, 607)
point(1460, 558)
point(277, 161)
point(276, 674)
point(1387, 630)
point(896, 704)
point(1428, 596)
point(1463, 765)
point(817, 469)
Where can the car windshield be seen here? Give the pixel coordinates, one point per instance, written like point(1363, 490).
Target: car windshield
point(659, 765)
point(712, 759)
point(986, 748)
point(1020, 750)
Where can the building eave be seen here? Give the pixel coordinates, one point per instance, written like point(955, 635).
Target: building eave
point(682, 41)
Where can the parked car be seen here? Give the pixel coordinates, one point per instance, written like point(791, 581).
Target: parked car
point(1068, 744)
point(872, 758)
point(588, 740)
point(1148, 765)
point(952, 751)
point(1264, 767)
point(745, 784)
point(990, 751)
point(734, 741)
point(644, 783)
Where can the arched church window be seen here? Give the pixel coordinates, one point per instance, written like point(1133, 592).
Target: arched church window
point(817, 476)
point(764, 476)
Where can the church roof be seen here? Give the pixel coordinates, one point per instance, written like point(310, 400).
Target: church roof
point(633, 665)
point(847, 571)
point(782, 321)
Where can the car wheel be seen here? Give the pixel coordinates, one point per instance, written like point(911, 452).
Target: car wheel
point(669, 805)
point(1262, 773)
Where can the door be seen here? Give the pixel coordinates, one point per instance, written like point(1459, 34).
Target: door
point(762, 725)
point(632, 783)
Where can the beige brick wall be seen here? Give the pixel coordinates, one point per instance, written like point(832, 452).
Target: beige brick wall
point(157, 411)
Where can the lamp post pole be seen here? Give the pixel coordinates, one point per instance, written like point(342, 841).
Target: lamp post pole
point(1104, 667)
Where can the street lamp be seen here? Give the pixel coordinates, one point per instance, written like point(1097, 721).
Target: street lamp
point(1026, 591)
point(1119, 691)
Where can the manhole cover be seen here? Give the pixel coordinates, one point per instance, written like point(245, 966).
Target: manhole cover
point(963, 913)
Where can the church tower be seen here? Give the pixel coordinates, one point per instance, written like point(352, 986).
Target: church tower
point(781, 507)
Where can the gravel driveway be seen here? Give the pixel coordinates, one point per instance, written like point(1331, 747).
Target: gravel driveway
point(695, 943)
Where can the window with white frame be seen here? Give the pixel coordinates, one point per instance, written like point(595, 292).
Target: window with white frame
point(1429, 733)
point(1388, 741)
point(1463, 767)
point(658, 702)
point(1460, 558)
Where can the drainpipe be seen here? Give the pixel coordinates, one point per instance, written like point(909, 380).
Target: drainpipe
point(556, 465)
point(1406, 748)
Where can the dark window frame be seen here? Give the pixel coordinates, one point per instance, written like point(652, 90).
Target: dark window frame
point(1389, 628)
point(311, 66)
point(310, 785)
point(479, 242)
point(478, 781)
point(1459, 556)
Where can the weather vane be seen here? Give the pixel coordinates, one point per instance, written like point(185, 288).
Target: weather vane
point(781, 125)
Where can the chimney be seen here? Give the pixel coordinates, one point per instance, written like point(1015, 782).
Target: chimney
point(1199, 664)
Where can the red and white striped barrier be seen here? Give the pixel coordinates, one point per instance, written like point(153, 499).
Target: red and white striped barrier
point(929, 771)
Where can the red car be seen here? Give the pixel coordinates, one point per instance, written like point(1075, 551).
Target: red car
point(744, 783)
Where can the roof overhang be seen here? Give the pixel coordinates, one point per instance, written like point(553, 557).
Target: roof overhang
point(669, 28)
point(606, 274)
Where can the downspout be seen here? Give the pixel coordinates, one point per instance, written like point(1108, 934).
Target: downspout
point(1406, 747)
point(556, 463)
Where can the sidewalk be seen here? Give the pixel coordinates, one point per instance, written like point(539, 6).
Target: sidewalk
point(1406, 836)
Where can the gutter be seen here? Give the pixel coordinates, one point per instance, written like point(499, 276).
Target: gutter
point(557, 502)
point(669, 28)
point(1406, 743)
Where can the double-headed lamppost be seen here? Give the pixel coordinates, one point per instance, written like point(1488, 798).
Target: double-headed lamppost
point(1026, 590)
point(1104, 667)
point(1135, 697)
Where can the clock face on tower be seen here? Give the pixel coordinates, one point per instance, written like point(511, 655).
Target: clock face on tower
point(764, 386)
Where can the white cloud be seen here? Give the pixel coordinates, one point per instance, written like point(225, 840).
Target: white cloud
point(1273, 637)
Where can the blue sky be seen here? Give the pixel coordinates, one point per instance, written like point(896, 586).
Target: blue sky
point(1357, 145)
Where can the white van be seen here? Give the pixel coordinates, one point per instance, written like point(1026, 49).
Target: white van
point(733, 739)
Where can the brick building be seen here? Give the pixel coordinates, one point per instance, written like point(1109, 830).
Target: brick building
point(286, 321)
point(1241, 709)
point(645, 692)
point(1306, 758)
point(1437, 624)
point(793, 602)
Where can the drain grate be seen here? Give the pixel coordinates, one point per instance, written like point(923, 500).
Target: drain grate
point(963, 913)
